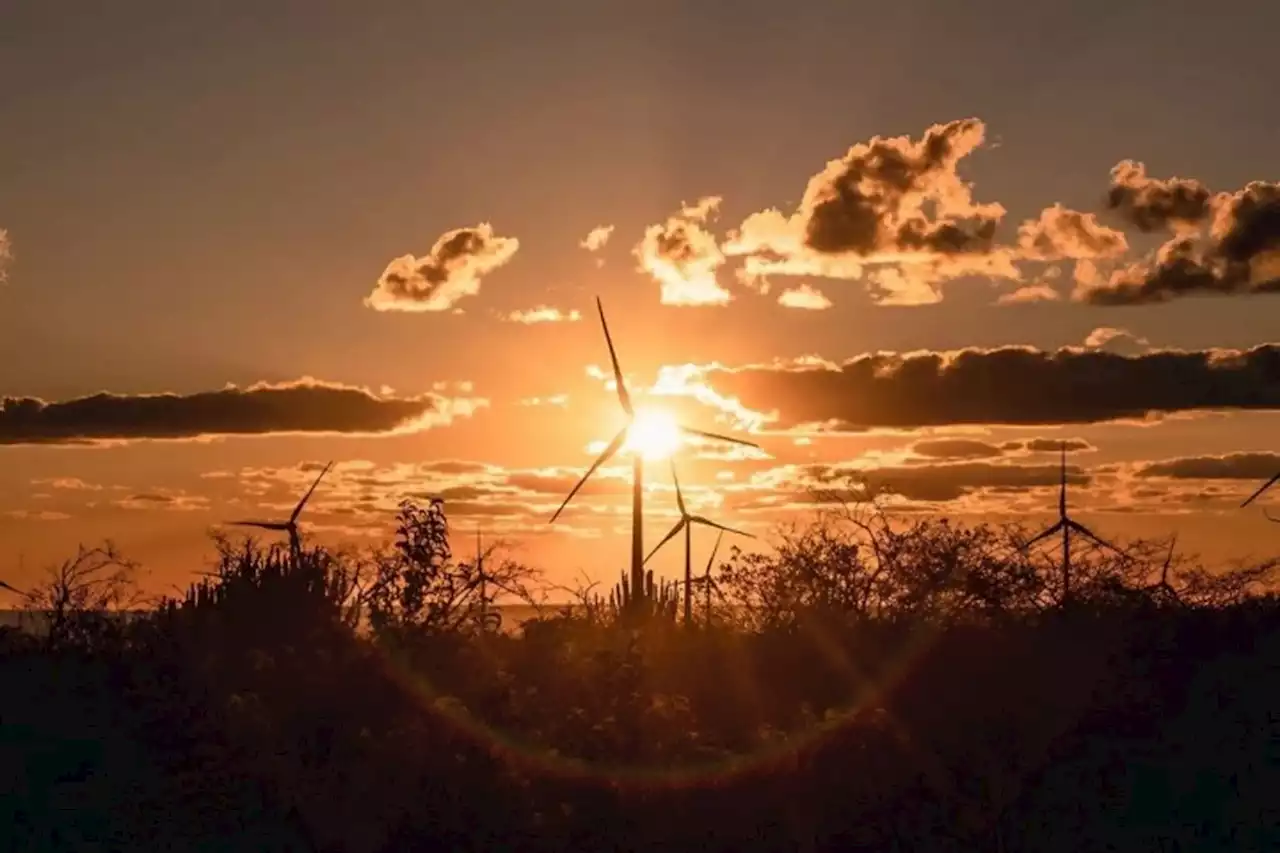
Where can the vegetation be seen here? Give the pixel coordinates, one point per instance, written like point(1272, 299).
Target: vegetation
point(864, 686)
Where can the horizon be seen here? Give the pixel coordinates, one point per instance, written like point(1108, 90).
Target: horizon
point(276, 220)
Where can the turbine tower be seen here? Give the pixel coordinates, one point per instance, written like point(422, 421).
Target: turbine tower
point(686, 524)
point(1066, 524)
point(637, 464)
point(290, 526)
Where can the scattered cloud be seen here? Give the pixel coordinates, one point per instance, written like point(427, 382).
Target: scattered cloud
point(1116, 340)
point(956, 448)
point(451, 270)
point(1060, 233)
point(303, 406)
point(804, 296)
point(597, 238)
point(35, 515)
point(6, 255)
point(560, 400)
point(893, 202)
point(1010, 385)
point(74, 484)
point(1221, 243)
point(1231, 466)
point(542, 314)
point(683, 256)
point(163, 499)
point(1027, 294)
point(1048, 445)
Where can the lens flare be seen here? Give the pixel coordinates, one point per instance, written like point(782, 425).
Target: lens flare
point(653, 434)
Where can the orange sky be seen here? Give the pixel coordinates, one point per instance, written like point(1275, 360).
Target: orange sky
point(392, 251)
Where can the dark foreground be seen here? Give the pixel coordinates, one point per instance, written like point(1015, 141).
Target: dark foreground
point(250, 717)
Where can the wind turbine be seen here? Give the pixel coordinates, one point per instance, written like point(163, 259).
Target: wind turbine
point(488, 621)
point(1163, 587)
point(637, 462)
point(1066, 524)
point(11, 588)
point(709, 582)
point(686, 524)
point(1258, 494)
point(290, 526)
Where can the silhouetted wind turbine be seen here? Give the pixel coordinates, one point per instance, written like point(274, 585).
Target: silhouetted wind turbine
point(1066, 524)
point(637, 463)
point(1258, 493)
point(686, 524)
point(290, 526)
point(11, 588)
point(709, 582)
point(1163, 586)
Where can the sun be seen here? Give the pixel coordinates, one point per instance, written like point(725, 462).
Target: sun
point(653, 434)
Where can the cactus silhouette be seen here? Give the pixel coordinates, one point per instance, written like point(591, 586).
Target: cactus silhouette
point(660, 598)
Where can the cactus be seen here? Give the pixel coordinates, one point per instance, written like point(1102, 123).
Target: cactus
point(656, 599)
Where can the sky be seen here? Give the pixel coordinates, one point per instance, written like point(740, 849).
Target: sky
point(914, 247)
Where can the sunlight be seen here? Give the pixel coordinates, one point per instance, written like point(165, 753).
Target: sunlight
point(653, 434)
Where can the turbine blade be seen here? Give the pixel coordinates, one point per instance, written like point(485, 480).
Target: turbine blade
point(711, 560)
point(671, 534)
point(684, 513)
point(1261, 489)
point(1080, 528)
point(600, 460)
point(298, 509)
point(623, 397)
point(11, 588)
point(718, 437)
point(1270, 517)
point(723, 528)
point(265, 525)
point(1044, 534)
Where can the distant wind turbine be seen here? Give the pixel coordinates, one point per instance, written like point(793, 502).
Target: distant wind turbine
point(1162, 587)
point(1257, 494)
point(290, 526)
point(709, 583)
point(1065, 525)
point(637, 463)
point(686, 524)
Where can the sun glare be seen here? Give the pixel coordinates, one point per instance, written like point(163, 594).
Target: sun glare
point(653, 434)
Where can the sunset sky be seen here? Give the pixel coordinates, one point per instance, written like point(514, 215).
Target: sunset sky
point(921, 241)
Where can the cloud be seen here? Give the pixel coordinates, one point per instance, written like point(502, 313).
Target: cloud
point(890, 201)
point(1030, 293)
point(683, 256)
point(542, 314)
point(303, 406)
point(1010, 385)
point(67, 484)
point(597, 238)
point(560, 400)
point(956, 448)
point(1155, 205)
point(6, 255)
point(1116, 340)
point(1048, 445)
point(925, 483)
point(451, 270)
point(1232, 466)
point(804, 296)
point(1061, 233)
point(36, 515)
point(166, 500)
point(1222, 244)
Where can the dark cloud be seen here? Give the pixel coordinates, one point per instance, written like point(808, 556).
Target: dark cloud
point(1011, 385)
point(304, 406)
point(928, 483)
point(1152, 204)
point(451, 270)
point(956, 448)
point(1238, 253)
point(1232, 466)
point(1048, 445)
point(558, 485)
